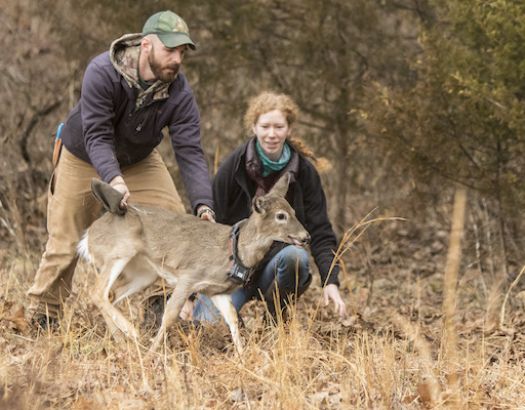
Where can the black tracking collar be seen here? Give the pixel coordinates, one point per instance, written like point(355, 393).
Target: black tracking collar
point(238, 272)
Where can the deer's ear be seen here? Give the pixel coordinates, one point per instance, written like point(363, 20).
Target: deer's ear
point(281, 186)
point(259, 204)
point(108, 196)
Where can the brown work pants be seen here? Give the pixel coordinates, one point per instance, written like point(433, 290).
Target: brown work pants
point(72, 208)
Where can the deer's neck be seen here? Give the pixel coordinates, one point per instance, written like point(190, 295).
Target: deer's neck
point(252, 246)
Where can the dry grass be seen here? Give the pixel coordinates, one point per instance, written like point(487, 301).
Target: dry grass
point(391, 353)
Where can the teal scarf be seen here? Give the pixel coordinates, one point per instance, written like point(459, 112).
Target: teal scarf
point(270, 166)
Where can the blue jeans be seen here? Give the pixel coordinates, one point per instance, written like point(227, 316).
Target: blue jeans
point(289, 268)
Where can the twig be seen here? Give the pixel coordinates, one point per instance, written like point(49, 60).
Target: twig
point(145, 385)
point(450, 293)
point(23, 337)
point(5, 223)
point(423, 349)
point(514, 283)
point(32, 123)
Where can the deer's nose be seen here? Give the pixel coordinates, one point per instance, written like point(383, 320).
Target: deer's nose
point(306, 239)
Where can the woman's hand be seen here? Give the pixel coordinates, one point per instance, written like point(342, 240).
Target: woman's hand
point(331, 292)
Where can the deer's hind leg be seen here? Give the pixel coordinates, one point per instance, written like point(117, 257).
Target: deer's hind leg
point(109, 274)
point(182, 291)
point(139, 273)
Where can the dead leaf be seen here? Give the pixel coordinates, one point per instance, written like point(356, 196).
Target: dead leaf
point(84, 404)
point(425, 393)
point(350, 321)
point(318, 398)
point(335, 399)
point(520, 298)
point(18, 319)
point(237, 395)
point(410, 398)
point(362, 297)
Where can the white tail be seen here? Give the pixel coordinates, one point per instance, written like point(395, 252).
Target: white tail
point(132, 251)
point(82, 248)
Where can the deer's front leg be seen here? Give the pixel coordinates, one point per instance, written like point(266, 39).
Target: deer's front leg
point(225, 306)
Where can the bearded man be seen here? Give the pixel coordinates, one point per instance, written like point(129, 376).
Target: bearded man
point(129, 95)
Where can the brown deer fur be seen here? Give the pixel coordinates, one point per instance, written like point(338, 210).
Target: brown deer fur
point(132, 251)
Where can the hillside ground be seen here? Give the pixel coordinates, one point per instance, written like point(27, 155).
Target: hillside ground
point(389, 353)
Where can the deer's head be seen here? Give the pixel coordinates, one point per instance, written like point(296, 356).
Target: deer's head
point(276, 218)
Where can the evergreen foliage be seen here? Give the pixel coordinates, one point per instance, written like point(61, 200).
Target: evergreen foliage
point(463, 117)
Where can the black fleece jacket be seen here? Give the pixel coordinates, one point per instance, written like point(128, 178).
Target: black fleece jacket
point(233, 192)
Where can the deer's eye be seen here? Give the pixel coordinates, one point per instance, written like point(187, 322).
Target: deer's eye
point(281, 216)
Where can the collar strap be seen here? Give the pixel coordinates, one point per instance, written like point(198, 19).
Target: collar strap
point(238, 272)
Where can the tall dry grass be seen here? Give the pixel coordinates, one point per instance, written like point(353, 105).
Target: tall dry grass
point(402, 349)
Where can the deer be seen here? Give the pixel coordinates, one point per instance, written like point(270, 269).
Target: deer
point(131, 249)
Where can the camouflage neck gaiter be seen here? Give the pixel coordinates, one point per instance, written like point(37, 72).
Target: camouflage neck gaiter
point(124, 54)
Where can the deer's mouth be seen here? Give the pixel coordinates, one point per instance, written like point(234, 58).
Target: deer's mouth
point(299, 241)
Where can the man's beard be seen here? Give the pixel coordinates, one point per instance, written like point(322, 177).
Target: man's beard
point(166, 74)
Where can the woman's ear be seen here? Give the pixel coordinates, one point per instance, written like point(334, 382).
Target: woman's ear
point(253, 129)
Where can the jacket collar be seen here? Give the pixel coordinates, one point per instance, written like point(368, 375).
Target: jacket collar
point(254, 168)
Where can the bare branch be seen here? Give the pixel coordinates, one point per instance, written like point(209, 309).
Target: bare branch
point(32, 123)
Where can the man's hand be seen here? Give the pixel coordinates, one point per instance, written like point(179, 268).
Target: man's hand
point(331, 292)
point(206, 213)
point(119, 184)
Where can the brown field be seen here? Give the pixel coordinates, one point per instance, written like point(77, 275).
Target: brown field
point(393, 352)
point(404, 99)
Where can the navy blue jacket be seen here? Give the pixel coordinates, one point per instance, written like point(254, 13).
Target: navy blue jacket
point(105, 130)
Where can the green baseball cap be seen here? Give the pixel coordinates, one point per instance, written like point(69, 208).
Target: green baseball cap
point(170, 28)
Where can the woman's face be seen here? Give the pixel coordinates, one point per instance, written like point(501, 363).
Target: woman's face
point(271, 130)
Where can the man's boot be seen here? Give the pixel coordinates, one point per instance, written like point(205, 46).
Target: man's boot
point(43, 316)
